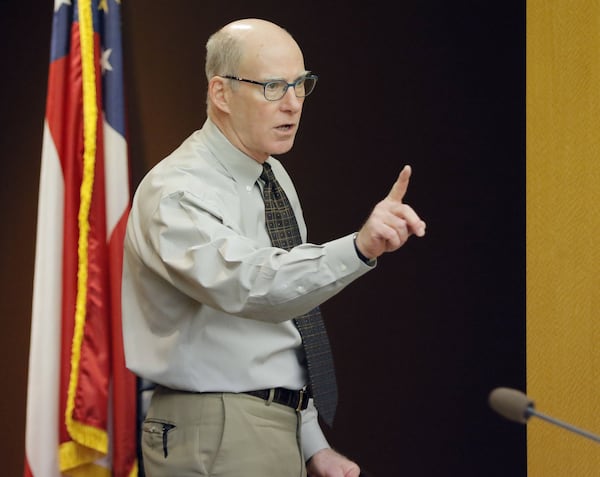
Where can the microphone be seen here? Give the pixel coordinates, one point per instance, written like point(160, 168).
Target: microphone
point(516, 406)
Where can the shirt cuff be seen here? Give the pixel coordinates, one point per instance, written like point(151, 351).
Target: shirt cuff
point(311, 435)
point(369, 261)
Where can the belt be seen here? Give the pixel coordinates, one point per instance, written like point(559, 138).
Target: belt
point(297, 400)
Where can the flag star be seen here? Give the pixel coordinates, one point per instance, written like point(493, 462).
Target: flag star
point(104, 61)
point(58, 3)
point(103, 5)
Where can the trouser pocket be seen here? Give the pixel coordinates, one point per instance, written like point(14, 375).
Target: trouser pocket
point(155, 434)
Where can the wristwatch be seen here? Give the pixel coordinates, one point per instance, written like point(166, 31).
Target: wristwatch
point(368, 261)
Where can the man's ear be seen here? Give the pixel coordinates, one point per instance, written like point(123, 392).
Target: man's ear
point(219, 91)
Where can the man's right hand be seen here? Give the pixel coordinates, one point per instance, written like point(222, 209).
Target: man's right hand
point(391, 222)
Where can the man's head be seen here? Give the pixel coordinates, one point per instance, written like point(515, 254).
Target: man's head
point(254, 50)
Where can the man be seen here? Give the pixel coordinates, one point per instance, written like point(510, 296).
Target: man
point(209, 302)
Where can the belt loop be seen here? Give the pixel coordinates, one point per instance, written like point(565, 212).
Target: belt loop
point(300, 400)
point(271, 396)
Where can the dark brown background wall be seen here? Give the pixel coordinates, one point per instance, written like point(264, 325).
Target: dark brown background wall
point(419, 342)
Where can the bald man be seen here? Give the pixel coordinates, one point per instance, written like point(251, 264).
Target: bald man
point(209, 302)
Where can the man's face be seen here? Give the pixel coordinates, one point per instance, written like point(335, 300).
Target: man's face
point(261, 127)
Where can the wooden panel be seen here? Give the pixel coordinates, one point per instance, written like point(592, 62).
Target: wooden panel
point(563, 233)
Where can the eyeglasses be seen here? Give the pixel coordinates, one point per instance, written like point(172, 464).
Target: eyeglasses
point(276, 89)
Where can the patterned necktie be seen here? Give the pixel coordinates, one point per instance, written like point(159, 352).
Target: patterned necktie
point(284, 233)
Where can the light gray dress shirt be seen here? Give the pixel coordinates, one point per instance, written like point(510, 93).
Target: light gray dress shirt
point(207, 301)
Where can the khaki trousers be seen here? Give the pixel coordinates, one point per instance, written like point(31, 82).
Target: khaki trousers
point(220, 435)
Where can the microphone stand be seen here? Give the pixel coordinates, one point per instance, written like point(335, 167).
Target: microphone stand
point(532, 412)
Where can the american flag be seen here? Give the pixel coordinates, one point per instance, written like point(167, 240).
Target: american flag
point(81, 402)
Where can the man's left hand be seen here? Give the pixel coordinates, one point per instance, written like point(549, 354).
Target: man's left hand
point(328, 463)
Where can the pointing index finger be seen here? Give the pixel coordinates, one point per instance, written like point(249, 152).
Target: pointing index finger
point(399, 188)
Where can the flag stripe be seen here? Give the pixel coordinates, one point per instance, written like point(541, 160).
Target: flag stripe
point(41, 441)
point(87, 436)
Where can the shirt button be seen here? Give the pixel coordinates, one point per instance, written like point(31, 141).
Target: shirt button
point(248, 188)
point(300, 289)
point(343, 267)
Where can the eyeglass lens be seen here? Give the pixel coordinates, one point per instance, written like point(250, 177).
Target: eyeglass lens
point(276, 89)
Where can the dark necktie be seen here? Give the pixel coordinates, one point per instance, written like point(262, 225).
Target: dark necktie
point(284, 233)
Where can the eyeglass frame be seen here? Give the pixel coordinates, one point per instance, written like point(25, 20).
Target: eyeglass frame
point(287, 85)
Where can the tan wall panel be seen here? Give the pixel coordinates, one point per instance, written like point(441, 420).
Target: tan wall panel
point(563, 233)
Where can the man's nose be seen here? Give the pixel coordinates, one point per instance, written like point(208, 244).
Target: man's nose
point(290, 99)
